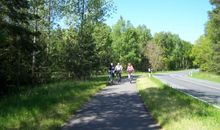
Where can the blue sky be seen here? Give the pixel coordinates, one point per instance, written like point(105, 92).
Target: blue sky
point(183, 17)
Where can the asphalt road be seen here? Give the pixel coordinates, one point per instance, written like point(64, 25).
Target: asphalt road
point(117, 107)
point(203, 90)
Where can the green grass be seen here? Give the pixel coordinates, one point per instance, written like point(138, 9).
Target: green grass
point(174, 110)
point(47, 107)
point(207, 76)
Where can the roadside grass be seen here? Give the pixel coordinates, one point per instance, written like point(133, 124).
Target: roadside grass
point(47, 107)
point(207, 76)
point(175, 110)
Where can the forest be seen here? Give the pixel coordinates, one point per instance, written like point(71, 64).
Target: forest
point(51, 40)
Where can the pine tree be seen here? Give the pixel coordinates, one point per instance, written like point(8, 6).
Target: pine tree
point(213, 32)
point(18, 44)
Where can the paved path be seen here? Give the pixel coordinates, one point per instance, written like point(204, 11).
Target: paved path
point(116, 107)
point(201, 89)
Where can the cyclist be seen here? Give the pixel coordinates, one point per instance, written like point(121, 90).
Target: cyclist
point(111, 71)
point(130, 70)
point(118, 71)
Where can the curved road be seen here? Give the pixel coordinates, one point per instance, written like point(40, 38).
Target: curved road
point(203, 90)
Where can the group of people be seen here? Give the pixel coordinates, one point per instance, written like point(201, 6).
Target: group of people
point(117, 70)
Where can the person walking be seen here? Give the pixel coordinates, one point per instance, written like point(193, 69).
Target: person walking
point(130, 70)
point(149, 72)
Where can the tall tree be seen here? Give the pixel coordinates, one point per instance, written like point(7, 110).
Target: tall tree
point(165, 41)
point(127, 43)
point(144, 36)
point(203, 53)
point(213, 32)
point(174, 50)
point(103, 44)
point(79, 49)
point(49, 12)
point(155, 55)
point(15, 25)
point(118, 31)
point(86, 14)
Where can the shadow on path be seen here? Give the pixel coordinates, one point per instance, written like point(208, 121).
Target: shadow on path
point(117, 107)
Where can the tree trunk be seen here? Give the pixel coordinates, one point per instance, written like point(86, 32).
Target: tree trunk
point(18, 75)
point(33, 63)
point(34, 42)
point(49, 24)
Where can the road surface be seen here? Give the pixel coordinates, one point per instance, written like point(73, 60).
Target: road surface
point(117, 107)
point(203, 90)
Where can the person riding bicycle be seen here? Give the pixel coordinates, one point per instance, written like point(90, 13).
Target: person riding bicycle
point(118, 71)
point(130, 70)
point(111, 71)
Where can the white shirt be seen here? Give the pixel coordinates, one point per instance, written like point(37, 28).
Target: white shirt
point(118, 68)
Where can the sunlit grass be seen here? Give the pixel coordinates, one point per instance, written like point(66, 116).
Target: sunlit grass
point(47, 107)
point(174, 110)
point(207, 76)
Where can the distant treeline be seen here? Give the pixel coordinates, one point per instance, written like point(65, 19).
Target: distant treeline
point(50, 40)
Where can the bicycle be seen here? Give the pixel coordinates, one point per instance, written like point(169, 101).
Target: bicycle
point(130, 70)
point(118, 75)
point(111, 77)
point(130, 77)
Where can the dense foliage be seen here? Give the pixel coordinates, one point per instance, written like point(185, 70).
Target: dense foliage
point(34, 48)
point(175, 52)
point(128, 43)
point(164, 51)
point(50, 40)
point(16, 36)
point(207, 48)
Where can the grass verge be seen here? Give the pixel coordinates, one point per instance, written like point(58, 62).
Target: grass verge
point(47, 107)
point(207, 76)
point(174, 110)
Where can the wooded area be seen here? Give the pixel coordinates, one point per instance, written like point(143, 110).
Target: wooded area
point(50, 40)
point(206, 51)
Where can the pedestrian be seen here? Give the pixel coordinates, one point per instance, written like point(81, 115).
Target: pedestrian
point(149, 72)
point(130, 70)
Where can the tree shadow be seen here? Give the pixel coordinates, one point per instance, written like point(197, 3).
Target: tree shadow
point(113, 110)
